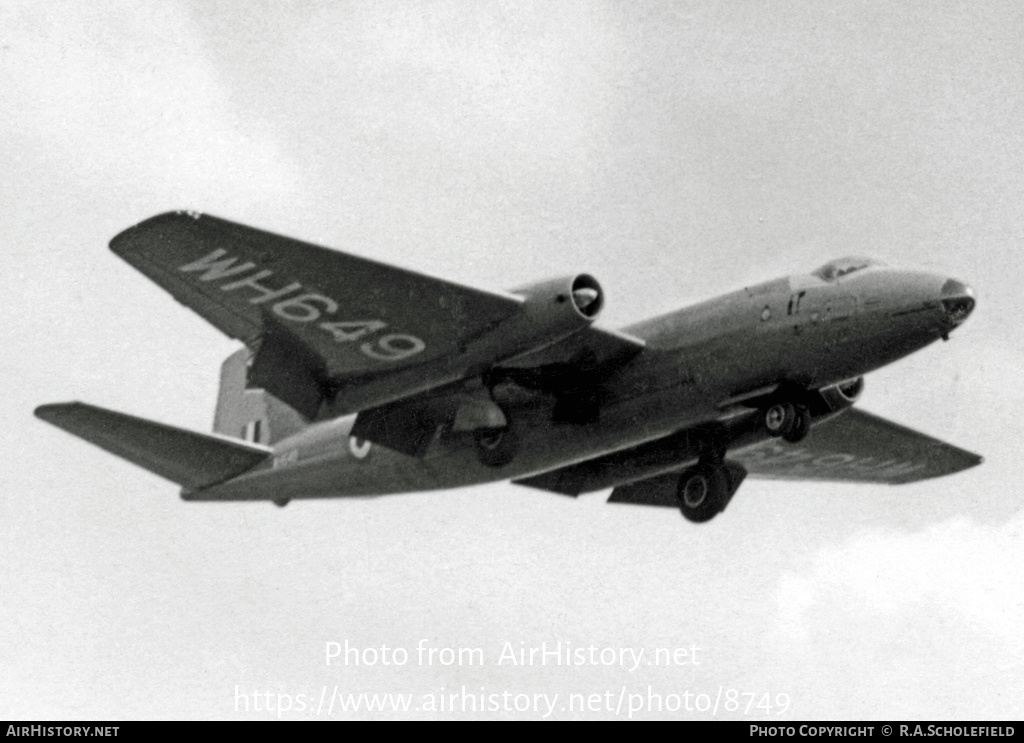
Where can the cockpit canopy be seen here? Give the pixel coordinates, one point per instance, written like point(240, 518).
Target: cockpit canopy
point(843, 266)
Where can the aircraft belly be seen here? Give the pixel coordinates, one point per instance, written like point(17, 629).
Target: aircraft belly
point(678, 390)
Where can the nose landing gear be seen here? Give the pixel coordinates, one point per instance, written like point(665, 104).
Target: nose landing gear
point(791, 422)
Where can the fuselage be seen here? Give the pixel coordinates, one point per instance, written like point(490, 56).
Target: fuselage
point(802, 332)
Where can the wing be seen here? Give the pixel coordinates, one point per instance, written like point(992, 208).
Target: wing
point(328, 325)
point(357, 315)
point(856, 447)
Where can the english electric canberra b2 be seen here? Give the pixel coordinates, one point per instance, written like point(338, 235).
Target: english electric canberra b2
point(360, 379)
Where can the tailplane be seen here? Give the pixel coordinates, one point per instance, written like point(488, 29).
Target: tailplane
point(193, 460)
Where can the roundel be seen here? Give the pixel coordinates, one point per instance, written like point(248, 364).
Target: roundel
point(359, 447)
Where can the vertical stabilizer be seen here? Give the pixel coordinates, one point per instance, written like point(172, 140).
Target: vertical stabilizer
point(250, 414)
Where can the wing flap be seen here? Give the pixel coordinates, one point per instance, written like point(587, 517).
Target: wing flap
point(663, 490)
point(288, 369)
point(193, 460)
point(638, 463)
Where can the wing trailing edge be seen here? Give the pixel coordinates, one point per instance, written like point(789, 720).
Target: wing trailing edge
point(855, 446)
point(192, 460)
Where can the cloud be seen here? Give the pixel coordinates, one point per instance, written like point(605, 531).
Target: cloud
point(117, 92)
point(957, 569)
point(924, 623)
point(496, 76)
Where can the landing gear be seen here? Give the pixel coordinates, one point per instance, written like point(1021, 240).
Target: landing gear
point(801, 425)
point(704, 491)
point(791, 422)
point(281, 502)
point(495, 447)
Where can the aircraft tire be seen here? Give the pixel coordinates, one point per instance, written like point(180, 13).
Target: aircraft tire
point(800, 427)
point(778, 419)
point(281, 502)
point(495, 447)
point(703, 492)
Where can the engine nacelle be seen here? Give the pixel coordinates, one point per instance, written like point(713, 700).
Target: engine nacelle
point(572, 298)
point(840, 396)
point(552, 310)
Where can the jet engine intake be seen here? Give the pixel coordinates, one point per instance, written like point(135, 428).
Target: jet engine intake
point(840, 396)
point(552, 310)
point(579, 297)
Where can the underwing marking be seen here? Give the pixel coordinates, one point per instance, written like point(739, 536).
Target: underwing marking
point(303, 308)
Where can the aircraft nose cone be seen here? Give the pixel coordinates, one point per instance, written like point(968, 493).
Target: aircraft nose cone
point(958, 301)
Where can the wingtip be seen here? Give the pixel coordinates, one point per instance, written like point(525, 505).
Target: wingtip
point(121, 242)
point(52, 410)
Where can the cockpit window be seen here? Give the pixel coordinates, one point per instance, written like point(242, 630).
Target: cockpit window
point(834, 269)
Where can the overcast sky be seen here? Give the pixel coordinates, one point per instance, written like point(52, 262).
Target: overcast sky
point(674, 151)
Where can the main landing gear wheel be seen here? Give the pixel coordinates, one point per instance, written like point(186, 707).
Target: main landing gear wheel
point(791, 422)
point(703, 491)
point(495, 447)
